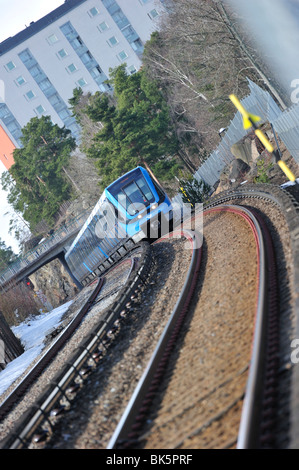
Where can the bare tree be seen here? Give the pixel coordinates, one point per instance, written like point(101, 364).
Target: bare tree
point(198, 62)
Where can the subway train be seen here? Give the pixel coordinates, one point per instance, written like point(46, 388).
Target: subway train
point(132, 208)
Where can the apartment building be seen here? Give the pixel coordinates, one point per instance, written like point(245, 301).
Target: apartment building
point(73, 46)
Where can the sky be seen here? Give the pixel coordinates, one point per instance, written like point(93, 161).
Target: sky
point(274, 27)
point(15, 16)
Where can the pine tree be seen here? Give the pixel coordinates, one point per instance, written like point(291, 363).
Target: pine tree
point(194, 191)
point(136, 128)
point(36, 182)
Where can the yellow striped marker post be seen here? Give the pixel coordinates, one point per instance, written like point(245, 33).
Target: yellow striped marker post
point(185, 194)
point(250, 120)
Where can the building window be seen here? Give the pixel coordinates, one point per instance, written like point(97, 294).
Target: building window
point(25, 56)
point(122, 55)
point(52, 39)
point(45, 84)
point(93, 12)
point(71, 68)
point(153, 14)
point(10, 66)
point(103, 27)
point(82, 82)
point(20, 80)
point(29, 95)
point(96, 71)
point(136, 45)
point(40, 110)
point(62, 53)
point(112, 41)
point(86, 57)
point(12, 126)
point(54, 100)
point(63, 114)
point(77, 42)
point(35, 71)
point(131, 69)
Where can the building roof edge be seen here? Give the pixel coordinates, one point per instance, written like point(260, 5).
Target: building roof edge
point(37, 26)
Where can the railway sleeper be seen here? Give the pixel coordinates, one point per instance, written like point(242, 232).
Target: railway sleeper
point(71, 377)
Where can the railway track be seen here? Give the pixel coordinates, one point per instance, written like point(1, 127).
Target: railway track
point(211, 342)
point(161, 414)
point(166, 414)
point(118, 284)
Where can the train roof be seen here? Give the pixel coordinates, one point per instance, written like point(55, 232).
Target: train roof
point(124, 176)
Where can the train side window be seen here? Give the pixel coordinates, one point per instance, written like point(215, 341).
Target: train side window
point(159, 190)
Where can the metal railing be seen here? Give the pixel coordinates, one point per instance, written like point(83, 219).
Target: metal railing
point(259, 102)
point(42, 248)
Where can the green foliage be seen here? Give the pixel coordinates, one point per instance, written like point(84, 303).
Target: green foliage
point(77, 93)
point(7, 256)
point(74, 101)
point(36, 182)
point(136, 128)
point(194, 191)
point(262, 171)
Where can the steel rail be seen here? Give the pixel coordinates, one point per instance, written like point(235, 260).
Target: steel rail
point(289, 207)
point(126, 432)
point(39, 412)
point(167, 339)
point(37, 369)
point(248, 436)
point(246, 439)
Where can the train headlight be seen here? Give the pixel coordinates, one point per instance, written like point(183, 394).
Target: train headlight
point(139, 216)
point(154, 206)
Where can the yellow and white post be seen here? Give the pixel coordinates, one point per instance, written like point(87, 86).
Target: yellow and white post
point(250, 120)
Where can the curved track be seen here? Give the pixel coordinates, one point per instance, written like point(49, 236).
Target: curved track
point(77, 366)
point(146, 405)
point(220, 375)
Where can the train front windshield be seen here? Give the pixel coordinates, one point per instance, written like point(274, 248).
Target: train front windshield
point(133, 193)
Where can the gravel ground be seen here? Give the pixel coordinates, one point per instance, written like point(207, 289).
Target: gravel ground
point(90, 320)
point(202, 402)
point(287, 318)
point(91, 420)
point(98, 407)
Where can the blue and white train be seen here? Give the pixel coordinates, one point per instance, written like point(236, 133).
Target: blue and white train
point(132, 208)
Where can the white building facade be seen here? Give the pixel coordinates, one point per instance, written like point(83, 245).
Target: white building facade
point(73, 46)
